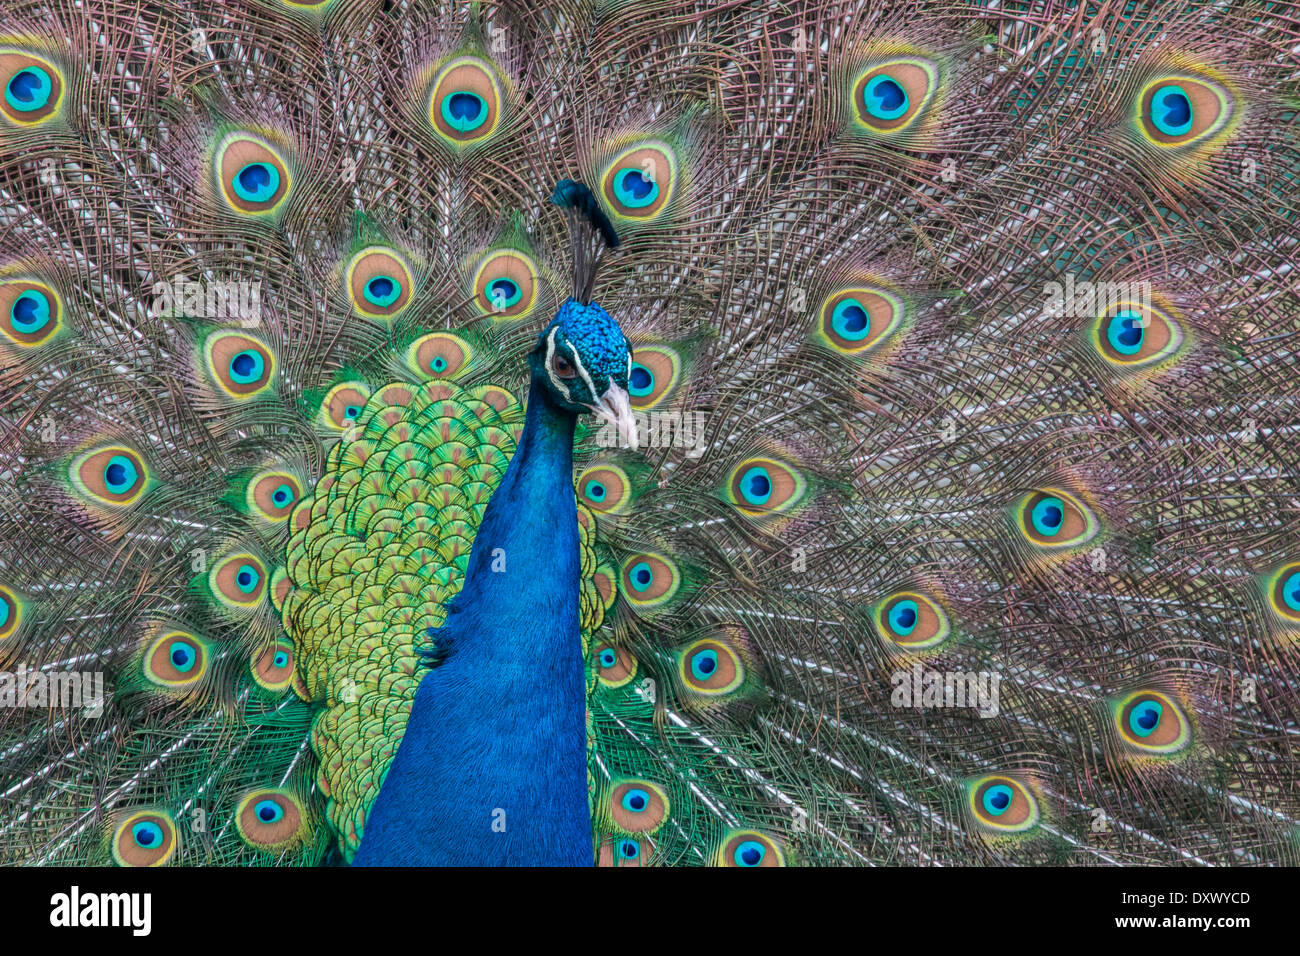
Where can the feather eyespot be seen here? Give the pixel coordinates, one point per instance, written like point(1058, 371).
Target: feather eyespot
point(649, 580)
point(439, 355)
point(272, 820)
point(622, 851)
point(272, 495)
point(343, 404)
point(710, 667)
point(604, 489)
point(637, 806)
point(379, 283)
point(889, 96)
point(1052, 519)
point(760, 486)
point(1283, 590)
point(145, 838)
point(176, 660)
point(859, 320)
point(615, 666)
point(33, 88)
point(30, 312)
point(238, 580)
point(243, 366)
point(1174, 111)
point(911, 620)
point(113, 475)
point(11, 613)
point(639, 182)
point(1150, 723)
point(749, 848)
point(1131, 335)
point(505, 285)
point(465, 105)
point(253, 177)
point(653, 376)
point(273, 666)
point(1000, 805)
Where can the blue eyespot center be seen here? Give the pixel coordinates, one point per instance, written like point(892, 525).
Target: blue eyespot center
point(282, 495)
point(636, 800)
point(1048, 515)
point(884, 97)
point(1171, 110)
point(439, 364)
point(641, 382)
point(641, 576)
point(383, 291)
point(903, 617)
point(595, 490)
point(183, 656)
point(1145, 717)
point(280, 660)
point(850, 321)
point(704, 664)
point(1125, 332)
point(269, 811)
point(29, 89)
point(246, 578)
point(30, 311)
point(464, 111)
point(120, 474)
point(147, 835)
point(608, 658)
point(997, 799)
point(1291, 591)
point(749, 853)
point(634, 188)
point(629, 849)
point(247, 366)
point(504, 292)
point(756, 485)
point(352, 411)
point(257, 182)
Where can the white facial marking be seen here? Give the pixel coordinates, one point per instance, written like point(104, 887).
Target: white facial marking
point(550, 371)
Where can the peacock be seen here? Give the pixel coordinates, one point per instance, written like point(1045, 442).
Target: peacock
point(663, 433)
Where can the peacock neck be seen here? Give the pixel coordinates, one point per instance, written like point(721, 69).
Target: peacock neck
point(532, 519)
point(492, 766)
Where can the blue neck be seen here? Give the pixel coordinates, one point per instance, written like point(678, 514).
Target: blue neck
point(492, 768)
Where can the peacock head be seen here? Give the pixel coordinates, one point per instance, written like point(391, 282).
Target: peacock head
point(583, 360)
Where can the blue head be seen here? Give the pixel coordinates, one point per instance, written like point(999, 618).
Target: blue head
point(583, 359)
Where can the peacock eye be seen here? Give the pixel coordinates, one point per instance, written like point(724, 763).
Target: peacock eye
point(1131, 335)
point(145, 838)
point(749, 848)
point(1175, 111)
point(563, 367)
point(1151, 724)
point(1000, 805)
point(912, 621)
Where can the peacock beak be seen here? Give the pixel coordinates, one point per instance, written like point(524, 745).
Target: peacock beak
point(615, 408)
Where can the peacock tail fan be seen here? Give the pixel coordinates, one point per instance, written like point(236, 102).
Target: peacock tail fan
point(961, 525)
